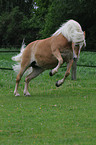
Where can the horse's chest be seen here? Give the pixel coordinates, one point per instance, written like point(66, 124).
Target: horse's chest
point(66, 55)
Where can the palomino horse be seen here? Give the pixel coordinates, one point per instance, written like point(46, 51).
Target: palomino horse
point(50, 53)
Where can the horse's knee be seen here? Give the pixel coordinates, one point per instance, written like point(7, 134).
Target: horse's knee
point(61, 61)
point(67, 74)
point(26, 80)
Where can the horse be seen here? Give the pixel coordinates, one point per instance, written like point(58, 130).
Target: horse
point(63, 46)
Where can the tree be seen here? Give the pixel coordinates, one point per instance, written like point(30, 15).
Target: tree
point(25, 6)
point(81, 11)
point(36, 19)
point(10, 27)
point(12, 20)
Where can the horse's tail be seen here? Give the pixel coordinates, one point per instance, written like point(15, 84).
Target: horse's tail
point(18, 59)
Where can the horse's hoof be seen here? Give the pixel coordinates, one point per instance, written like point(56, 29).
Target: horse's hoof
point(16, 95)
point(50, 73)
point(27, 94)
point(58, 85)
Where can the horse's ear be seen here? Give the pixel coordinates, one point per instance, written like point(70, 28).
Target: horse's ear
point(84, 33)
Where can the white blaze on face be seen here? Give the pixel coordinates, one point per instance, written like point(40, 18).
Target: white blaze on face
point(74, 54)
point(80, 46)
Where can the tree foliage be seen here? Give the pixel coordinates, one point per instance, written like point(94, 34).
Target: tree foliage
point(36, 19)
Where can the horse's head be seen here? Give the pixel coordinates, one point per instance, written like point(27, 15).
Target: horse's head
point(76, 47)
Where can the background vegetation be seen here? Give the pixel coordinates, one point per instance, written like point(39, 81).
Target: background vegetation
point(36, 19)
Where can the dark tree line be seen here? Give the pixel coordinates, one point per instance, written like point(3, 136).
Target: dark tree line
point(37, 19)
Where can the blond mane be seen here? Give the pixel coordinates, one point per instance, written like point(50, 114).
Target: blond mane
point(72, 31)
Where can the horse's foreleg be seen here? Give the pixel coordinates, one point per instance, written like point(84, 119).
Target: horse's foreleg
point(60, 82)
point(58, 56)
point(36, 71)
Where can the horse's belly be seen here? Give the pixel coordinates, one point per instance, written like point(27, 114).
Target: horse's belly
point(46, 61)
point(44, 56)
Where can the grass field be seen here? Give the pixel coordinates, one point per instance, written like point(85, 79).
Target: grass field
point(51, 116)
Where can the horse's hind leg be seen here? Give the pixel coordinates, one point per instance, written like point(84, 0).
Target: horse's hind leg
point(36, 71)
point(18, 78)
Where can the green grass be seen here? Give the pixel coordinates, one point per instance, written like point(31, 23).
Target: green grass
point(51, 116)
